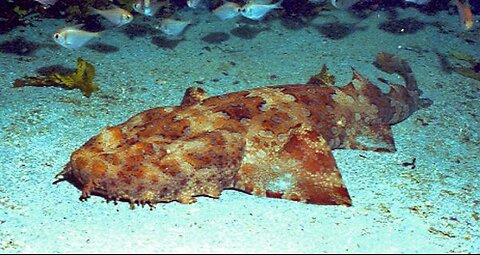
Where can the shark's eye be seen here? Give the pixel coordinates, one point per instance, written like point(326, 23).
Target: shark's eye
point(56, 35)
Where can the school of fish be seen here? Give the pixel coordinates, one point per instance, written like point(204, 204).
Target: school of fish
point(73, 37)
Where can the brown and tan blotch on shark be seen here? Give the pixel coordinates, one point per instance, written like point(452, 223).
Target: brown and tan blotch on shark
point(273, 141)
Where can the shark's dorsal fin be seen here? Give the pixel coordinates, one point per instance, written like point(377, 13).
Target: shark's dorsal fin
point(194, 95)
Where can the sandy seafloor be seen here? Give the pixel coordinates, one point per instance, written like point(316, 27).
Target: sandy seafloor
point(432, 208)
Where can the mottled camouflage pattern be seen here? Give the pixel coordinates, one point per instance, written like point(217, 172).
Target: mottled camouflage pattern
point(273, 141)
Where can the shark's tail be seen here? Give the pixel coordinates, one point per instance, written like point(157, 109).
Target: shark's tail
point(404, 100)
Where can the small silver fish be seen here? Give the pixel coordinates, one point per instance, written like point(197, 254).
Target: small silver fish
point(117, 15)
point(344, 4)
point(147, 7)
point(173, 27)
point(256, 11)
point(73, 37)
point(193, 3)
point(420, 2)
point(226, 11)
point(47, 3)
point(260, 1)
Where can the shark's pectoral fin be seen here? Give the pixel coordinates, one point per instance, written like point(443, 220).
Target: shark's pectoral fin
point(298, 167)
point(374, 137)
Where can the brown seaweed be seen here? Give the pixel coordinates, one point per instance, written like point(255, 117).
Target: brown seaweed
point(472, 71)
point(445, 64)
point(467, 72)
point(81, 79)
point(463, 56)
